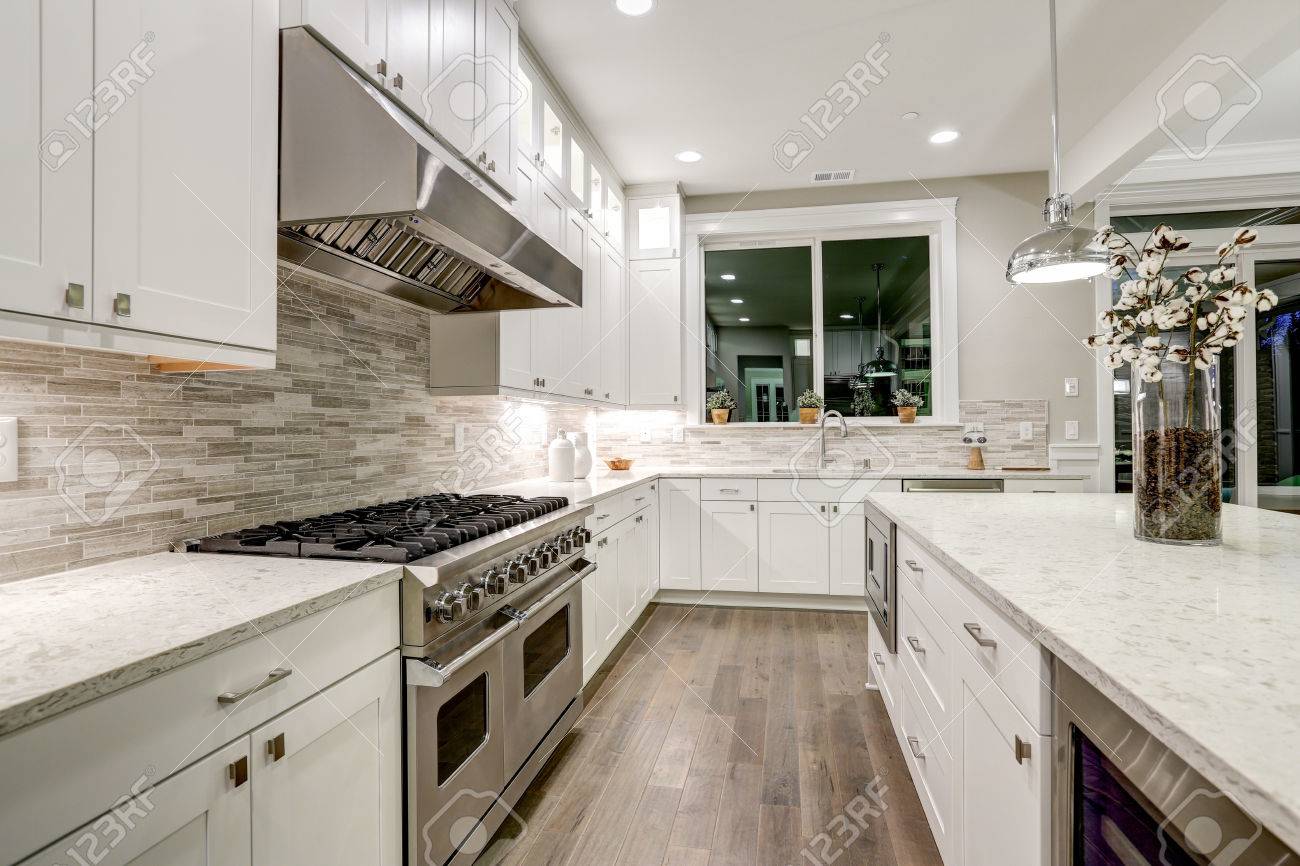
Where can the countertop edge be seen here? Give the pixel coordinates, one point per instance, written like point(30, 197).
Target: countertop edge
point(1283, 822)
point(68, 696)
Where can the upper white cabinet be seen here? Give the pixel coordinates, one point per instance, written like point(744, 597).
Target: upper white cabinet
point(503, 93)
point(46, 52)
point(613, 347)
point(185, 172)
point(655, 333)
point(654, 222)
point(358, 29)
point(614, 216)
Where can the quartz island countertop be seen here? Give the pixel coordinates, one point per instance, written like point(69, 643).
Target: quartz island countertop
point(1198, 644)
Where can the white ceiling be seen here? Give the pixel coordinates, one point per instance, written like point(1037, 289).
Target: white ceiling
point(729, 77)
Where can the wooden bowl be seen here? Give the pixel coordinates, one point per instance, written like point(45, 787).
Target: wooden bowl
point(618, 464)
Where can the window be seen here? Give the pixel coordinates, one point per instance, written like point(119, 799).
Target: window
point(1210, 219)
point(577, 170)
point(1277, 386)
point(552, 140)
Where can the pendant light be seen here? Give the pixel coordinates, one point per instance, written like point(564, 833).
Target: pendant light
point(880, 367)
point(1061, 252)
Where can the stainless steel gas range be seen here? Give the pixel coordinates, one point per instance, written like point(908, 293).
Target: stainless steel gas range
point(491, 622)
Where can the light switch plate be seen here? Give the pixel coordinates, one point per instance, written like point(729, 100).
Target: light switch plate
point(646, 437)
point(679, 434)
point(458, 438)
point(8, 449)
point(1072, 387)
point(1071, 429)
point(1026, 430)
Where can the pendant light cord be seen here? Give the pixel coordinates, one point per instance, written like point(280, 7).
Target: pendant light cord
point(1056, 140)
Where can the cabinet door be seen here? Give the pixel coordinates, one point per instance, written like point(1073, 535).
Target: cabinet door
point(358, 29)
point(198, 817)
point(45, 159)
point(650, 583)
point(185, 172)
point(584, 360)
point(550, 213)
point(410, 46)
point(679, 533)
point(516, 336)
point(327, 775)
point(631, 566)
point(614, 216)
point(448, 104)
point(525, 203)
point(655, 333)
point(848, 550)
point(995, 777)
point(498, 48)
point(613, 328)
point(793, 546)
point(655, 227)
point(729, 546)
point(549, 329)
point(608, 623)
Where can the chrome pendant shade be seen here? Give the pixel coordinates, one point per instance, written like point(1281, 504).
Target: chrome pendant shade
point(1062, 251)
point(880, 367)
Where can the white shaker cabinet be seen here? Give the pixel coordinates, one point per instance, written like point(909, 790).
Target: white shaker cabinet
point(655, 345)
point(46, 51)
point(358, 29)
point(654, 223)
point(198, 817)
point(327, 778)
point(497, 47)
point(185, 172)
point(729, 546)
point(679, 533)
point(793, 548)
point(847, 566)
point(613, 336)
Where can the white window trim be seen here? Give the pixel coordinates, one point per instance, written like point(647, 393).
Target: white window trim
point(935, 217)
point(1190, 195)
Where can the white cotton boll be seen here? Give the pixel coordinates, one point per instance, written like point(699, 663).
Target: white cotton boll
point(1130, 353)
point(1148, 268)
point(1244, 237)
point(1151, 343)
point(1266, 300)
point(1152, 375)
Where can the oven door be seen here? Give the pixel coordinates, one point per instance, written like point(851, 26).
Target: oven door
point(881, 592)
point(543, 662)
point(455, 746)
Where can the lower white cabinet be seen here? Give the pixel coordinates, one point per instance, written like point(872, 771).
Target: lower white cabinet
point(616, 594)
point(197, 817)
point(327, 778)
point(793, 548)
point(847, 549)
point(679, 533)
point(729, 546)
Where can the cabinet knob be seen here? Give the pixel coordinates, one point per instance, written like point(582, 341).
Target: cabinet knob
point(75, 296)
point(915, 745)
point(482, 157)
point(1023, 750)
point(397, 81)
point(237, 771)
point(122, 305)
point(915, 644)
point(492, 166)
point(381, 68)
point(275, 747)
point(975, 630)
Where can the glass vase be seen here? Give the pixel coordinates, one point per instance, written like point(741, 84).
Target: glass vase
point(1177, 461)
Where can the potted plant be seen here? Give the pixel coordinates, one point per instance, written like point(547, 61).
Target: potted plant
point(1171, 330)
point(810, 406)
point(863, 405)
point(720, 404)
point(907, 404)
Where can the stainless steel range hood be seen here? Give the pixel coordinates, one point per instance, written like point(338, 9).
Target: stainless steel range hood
point(368, 196)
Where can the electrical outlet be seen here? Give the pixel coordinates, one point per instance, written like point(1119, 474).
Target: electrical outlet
point(8, 449)
point(458, 438)
point(679, 434)
point(1072, 387)
point(1026, 431)
point(1071, 429)
point(646, 437)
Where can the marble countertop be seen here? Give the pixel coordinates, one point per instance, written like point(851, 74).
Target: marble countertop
point(603, 482)
point(1197, 644)
point(69, 638)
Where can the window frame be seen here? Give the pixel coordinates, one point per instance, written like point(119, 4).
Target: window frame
point(934, 218)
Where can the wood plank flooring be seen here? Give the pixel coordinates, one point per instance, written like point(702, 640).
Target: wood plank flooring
point(726, 736)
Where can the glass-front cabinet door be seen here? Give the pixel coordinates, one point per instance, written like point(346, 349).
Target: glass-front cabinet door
point(553, 128)
point(655, 227)
point(596, 200)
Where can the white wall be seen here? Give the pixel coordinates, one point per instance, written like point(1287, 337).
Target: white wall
point(1016, 342)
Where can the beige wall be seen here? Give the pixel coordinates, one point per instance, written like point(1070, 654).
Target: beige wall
point(1016, 342)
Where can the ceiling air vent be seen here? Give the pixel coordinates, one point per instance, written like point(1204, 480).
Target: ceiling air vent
point(841, 175)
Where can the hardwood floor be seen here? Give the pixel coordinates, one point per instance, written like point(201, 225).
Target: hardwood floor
point(727, 736)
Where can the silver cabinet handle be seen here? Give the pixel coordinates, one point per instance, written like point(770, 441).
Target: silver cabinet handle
point(271, 679)
point(915, 745)
point(835, 508)
point(751, 506)
point(602, 517)
point(237, 772)
point(728, 489)
point(879, 660)
point(397, 81)
point(492, 165)
point(122, 304)
point(75, 296)
point(974, 629)
point(823, 508)
point(275, 747)
point(915, 644)
point(638, 499)
point(381, 68)
point(1023, 750)
point(911, 563)
point(640, 517)
point(1044, 491)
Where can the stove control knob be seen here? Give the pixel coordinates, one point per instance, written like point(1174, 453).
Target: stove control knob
point(584, 534)
point(494, 582)
point(531, 562)
point(518, 571)
point(449, 607)
point(473, 596)
point(579, 537)
point(546, 555)
point(566, 545)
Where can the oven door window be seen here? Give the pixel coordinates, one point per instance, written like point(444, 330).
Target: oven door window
point(462, 727)
point(545, 648)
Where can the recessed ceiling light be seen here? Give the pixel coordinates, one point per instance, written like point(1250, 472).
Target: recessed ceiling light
point(910, 115)
point(744, 318)
point(738, 300)
point(944, 136)
point(846, 315)
point(634, 7)
point(689, 156)
point(728, 276)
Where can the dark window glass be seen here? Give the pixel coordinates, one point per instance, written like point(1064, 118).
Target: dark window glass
point(1213, 219)
point(462, 727)
point(1277, 386)
point(545, 648)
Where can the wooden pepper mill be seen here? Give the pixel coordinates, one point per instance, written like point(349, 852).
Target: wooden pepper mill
point(976, 458)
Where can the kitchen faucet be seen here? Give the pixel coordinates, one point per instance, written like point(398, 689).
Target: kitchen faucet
point(844, 434)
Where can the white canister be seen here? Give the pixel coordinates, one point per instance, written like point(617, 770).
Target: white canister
point(560, 458)
point(581, 454)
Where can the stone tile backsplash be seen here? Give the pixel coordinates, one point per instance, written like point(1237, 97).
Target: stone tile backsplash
point(117, 460)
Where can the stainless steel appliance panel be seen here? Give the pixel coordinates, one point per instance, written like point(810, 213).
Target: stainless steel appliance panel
point(882, 581)
point(952, 485)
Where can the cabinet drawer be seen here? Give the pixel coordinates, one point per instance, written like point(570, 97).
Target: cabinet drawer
point(1045, 485)
point(729, 489)
point(925, 652)
point(929, 758)
point(884, 670)
point(845, 492)
point(1006, 652)
point(79, 763)
point(608, 511)
point(641, 496)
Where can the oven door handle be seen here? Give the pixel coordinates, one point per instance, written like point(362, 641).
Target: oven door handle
point(427, 672)
point(521, 616)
